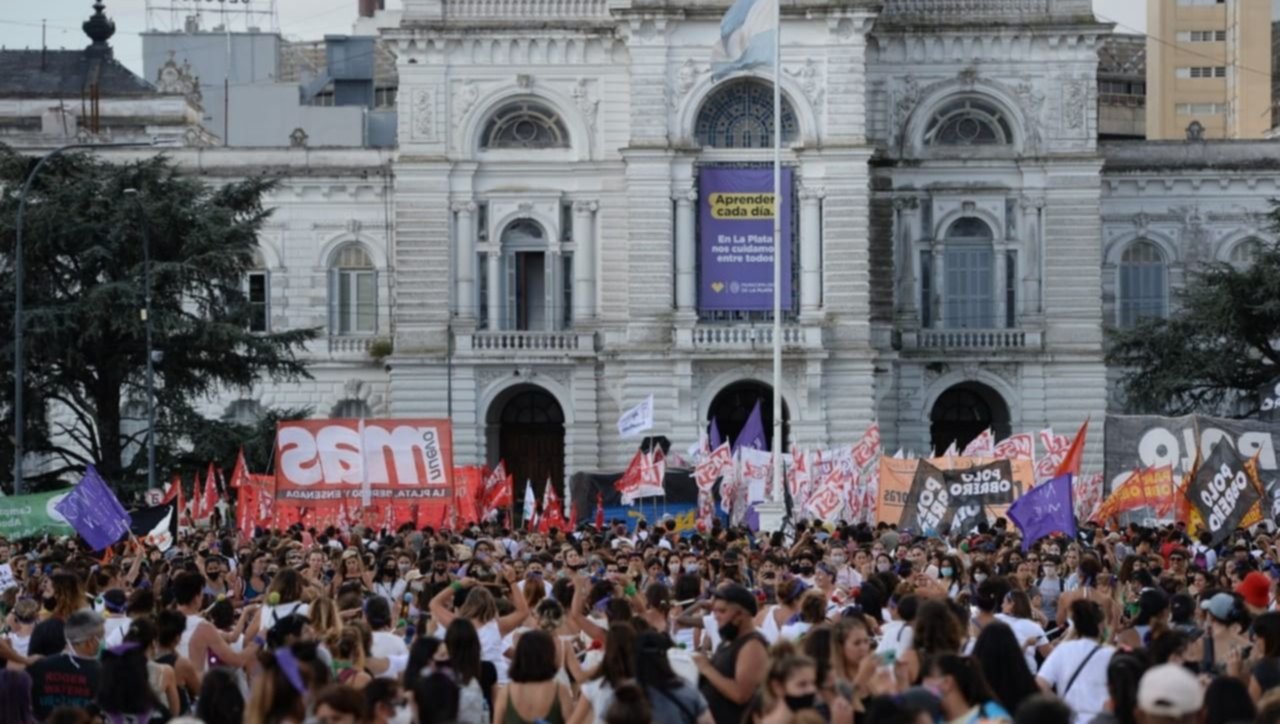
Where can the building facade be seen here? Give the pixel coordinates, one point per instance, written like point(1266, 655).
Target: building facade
point(1208, 62)
point(528, 261)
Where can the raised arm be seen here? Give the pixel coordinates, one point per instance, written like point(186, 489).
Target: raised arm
point(516, 618)
point(439, 613)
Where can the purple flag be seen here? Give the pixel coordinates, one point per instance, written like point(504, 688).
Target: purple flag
point(93, 510)
point(752, 435)
point(713, 436)
point(1044, 509)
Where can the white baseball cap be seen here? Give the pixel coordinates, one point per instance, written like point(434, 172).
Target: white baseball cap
point(1169, 690)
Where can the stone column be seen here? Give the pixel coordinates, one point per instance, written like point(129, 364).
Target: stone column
point(1001, 260)
point(584, 261)
point(904, 240)
point(938, 292)
point(495, 287)
point(686, 253)
point(810, 250)
point(466, 266)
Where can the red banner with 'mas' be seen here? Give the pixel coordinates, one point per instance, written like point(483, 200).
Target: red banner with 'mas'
point(395, 461)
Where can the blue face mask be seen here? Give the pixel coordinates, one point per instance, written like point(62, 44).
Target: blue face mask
point(947, 571)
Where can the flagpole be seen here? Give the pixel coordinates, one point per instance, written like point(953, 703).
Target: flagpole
point(777, 243)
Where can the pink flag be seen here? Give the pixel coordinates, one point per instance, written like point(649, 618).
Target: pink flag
point(1015, 447)
point(982, 446)
point(1056, 447)
point(713, 466)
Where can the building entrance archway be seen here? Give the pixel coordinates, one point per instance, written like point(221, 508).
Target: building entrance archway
point(962, 412)
point(527, 424)
point(732, 406)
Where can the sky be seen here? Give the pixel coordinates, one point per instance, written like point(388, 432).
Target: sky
point(306, 19)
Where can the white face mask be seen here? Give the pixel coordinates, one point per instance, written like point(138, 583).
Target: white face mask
point(403, 715)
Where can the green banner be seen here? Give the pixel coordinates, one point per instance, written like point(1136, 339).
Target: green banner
point(24, 515)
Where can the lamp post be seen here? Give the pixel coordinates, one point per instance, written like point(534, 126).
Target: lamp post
point(19, 362)
point(146, 319)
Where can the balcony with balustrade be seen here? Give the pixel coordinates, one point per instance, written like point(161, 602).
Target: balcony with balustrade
point(972, 342)
point(525, 344)
point(746, 338)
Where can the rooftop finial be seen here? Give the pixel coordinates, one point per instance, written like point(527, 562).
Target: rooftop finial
point(99, 28)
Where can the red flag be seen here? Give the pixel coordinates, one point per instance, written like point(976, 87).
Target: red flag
point(599, 511)
point(246, 510)
point(1070, 464)
point(552, 510)
point(210, 497)
point(240, 475)
point(174, 492)
point(633, 477)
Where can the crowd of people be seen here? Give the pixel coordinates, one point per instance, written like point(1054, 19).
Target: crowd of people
point(842, 624)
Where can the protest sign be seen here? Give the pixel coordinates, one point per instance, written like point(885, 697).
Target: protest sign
point(928, 505)
point(896, 476)
point(156, 526)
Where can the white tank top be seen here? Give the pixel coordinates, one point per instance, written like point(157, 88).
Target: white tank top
point(491, 648)
point(769, 627)
point(184, 643)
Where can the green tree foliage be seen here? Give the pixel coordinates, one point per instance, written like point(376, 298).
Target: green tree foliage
point(1217, 348)
point(85, 336)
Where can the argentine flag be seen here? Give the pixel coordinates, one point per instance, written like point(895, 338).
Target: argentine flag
point(747, 37)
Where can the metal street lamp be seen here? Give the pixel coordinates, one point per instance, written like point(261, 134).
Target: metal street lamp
point(19, 363)
point(146, 318)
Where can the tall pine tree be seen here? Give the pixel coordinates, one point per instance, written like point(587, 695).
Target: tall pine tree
point(84, 335)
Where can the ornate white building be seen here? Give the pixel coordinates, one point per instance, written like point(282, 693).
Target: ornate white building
point(526, 261)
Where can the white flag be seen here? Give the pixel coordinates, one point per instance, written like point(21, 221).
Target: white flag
point(637, 419)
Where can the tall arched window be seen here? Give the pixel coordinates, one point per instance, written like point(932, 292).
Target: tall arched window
point(739, 114)
point(525, 124)
point(531, 277)
point(1143, 283)
point(968, 121)
point(353, 292)
point(969, 288)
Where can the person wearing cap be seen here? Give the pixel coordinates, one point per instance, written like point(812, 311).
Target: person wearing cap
point(1169, 694)
point(70, 678)
point(738, 666)
point(1255, 589)
point(1225, 640)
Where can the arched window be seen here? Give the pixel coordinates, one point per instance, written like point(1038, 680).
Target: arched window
point(1143, 283)
point(350, 409)
point(968, 121)
point(531, 279)
point(969, 262)
point(353, 292)
point(740, 115)
point(258, 292)
point(525, 124)
point(1243, 254)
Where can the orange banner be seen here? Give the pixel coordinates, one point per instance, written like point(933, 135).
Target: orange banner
point(896, 476)
point(1146, 488)
point(401, 461)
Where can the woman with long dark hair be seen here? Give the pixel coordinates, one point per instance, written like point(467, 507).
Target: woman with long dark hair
point(966, 697)
point(999, 653)
point(534, 694)
point(671, 698)
point(462, 645)
point(124, 692)
point(221, 701)
point(617, 666)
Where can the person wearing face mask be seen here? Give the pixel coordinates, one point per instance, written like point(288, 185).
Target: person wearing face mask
point(731, 676)
point(389, 581)
point(951, 575)
point(966, 698)
point(70, 678)
point(792, 686)
point(884, 563)
point(1051, 586)
point(896, 635)
point(847, 577)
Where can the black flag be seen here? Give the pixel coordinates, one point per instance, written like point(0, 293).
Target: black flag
point(1223, 491)
point(928, 505)
point(156, 526)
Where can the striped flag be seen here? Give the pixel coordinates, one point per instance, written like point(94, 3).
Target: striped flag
point(747, 38)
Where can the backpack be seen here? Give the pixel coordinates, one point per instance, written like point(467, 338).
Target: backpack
point(1200, 560)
